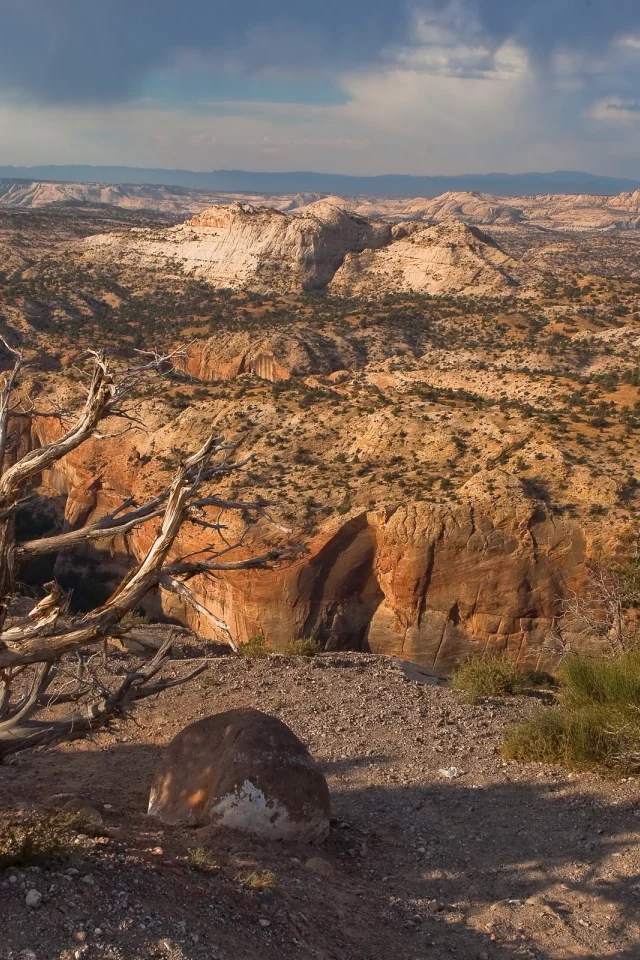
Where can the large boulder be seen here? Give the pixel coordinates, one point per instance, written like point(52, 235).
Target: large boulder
point(243, 770)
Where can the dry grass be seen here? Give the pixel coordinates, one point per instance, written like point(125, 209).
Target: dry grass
point(35, 839)
point(200, 860)
point(257, 879)
point(596, 724)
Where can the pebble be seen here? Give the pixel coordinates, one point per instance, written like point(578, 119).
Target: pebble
point(33, 898)
point(264, 923)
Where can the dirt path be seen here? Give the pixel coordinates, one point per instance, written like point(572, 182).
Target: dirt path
point(500, 861)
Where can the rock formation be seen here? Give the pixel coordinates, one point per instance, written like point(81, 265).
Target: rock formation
point(246, 246)
point(425, 581)
point(274, 357)
point(242, 770)
point(255, 247)
point(447, 258)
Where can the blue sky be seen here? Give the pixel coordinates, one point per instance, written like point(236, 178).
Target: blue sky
point(352, 86)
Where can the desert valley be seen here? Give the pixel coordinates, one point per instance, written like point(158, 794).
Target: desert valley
point(434, 405)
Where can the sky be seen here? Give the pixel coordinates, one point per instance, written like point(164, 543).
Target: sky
point(344, 86)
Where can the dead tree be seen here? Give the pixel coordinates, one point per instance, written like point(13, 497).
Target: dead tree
point(46, 657)
point(600, 613)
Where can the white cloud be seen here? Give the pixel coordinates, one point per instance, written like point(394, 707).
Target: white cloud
point(446, 104)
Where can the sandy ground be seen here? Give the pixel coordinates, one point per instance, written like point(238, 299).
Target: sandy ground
point(499, 861)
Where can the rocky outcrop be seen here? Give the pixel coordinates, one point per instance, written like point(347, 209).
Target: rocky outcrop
point(426, 582)
point(566, 212)
point(274, 357)
point(241, 245)
point(448, 258)
point(242, 770)
point(429, 581)
point(247, 246)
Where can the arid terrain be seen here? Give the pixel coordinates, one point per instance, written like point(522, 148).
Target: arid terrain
point(437, 848)
point(451, 436)
point(445, 412)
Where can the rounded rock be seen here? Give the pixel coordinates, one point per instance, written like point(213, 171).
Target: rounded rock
point(33, 898)
point(243, 770)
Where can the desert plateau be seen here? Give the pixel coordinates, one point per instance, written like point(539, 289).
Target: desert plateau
point(319, 480)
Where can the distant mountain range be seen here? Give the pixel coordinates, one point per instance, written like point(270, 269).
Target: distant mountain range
point(390, 185)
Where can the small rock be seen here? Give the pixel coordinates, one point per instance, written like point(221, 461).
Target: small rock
point(449, 773)
point(33, 898)
point(319, 865)
point(264, 923)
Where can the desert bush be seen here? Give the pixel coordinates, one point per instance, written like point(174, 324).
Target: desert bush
point(302, 648)
point(257, 879)
point(596, 724)
point(481, 677)
point(32, 841)
point(254, 647)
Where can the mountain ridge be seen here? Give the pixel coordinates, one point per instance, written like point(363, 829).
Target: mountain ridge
point(401, 185)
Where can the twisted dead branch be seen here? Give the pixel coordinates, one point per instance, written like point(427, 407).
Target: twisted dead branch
point(35, 652)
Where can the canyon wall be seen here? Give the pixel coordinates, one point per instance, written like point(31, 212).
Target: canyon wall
point(426, 581)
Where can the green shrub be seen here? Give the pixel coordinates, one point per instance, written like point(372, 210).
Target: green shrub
point(596, 724)
point(302, 648)
point(254, 647)
point(481, 677)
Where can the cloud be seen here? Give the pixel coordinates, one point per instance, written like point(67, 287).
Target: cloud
point(74, 51)
point(615, 110)
point(358, 86)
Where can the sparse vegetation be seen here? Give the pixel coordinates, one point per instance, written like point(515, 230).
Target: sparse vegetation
point(34, 839)
point(481, 677)
point(303, 648)
point(596, 723)
point(254, 647)
point(257, 879)
point(200, 860)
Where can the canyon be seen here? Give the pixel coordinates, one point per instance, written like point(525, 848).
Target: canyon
point(447, 418)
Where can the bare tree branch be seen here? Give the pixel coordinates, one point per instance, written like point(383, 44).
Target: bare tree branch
point(37, 668)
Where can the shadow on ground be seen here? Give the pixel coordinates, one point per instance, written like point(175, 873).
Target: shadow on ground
point(519, 860)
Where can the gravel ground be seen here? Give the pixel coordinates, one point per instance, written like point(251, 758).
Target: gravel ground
point(438, 848)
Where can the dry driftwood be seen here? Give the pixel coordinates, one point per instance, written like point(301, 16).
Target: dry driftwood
point(37, 665)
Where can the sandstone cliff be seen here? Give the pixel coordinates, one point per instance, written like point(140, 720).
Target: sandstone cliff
point(428, 581)
point(245, 246)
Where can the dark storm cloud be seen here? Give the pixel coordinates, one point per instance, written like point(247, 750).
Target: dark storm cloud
point(100, 50)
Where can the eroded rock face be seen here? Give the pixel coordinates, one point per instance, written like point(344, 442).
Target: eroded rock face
point(242, 770)
point(426, 582)
point(241, 245)
point(446, 258)
point(272, 357)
